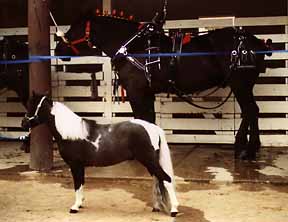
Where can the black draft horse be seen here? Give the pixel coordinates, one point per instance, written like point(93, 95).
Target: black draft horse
point(84, 142)
point(15, 76)
point(117, 36)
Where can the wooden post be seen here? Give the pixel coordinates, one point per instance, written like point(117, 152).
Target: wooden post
point(40, 80)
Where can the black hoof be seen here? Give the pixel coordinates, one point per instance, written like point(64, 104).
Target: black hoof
point(240, 151)
point(155, 210)
point(251, 156)
point(243, 155)
point(174, 214)
point(247, 155)
point(72, 211)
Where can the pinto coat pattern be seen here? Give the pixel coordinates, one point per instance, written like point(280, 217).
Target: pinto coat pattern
point(84, 142)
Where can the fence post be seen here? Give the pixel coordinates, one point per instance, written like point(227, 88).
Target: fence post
point(40, 80)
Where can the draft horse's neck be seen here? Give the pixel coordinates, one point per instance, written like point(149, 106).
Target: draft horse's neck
point(109, 33)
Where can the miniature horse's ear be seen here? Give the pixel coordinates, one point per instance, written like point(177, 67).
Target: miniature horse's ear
point(47, 93)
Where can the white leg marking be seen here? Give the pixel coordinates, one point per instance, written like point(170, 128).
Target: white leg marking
point(79, 197)
point(172, 195)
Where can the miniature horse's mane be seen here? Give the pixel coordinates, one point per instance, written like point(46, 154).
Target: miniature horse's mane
point(69, 124)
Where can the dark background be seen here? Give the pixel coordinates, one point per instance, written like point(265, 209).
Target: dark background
point(13, 13)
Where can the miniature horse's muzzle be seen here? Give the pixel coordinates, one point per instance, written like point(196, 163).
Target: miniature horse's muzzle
point(30, 122)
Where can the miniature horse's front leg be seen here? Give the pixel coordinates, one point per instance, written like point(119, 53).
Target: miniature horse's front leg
point(26, 143)
point(78, 173)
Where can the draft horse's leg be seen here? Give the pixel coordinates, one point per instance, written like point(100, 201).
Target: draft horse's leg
point(242, 83)
point(139, 93)
point(78, 173)
point(142, 104)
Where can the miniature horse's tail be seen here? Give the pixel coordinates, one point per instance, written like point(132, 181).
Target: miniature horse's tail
point(163, 191)
point(165, 156)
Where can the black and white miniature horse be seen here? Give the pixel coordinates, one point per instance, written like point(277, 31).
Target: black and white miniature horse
point(84, 142)
point(190, 74)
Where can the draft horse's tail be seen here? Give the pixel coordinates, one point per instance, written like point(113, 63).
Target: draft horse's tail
point(164, 191)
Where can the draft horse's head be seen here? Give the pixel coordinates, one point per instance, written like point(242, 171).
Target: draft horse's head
point(96, 31)
point(77, 39)
point(38, 109)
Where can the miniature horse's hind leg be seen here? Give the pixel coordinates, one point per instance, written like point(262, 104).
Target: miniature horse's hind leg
point(162, 188)
point(159, 198)
point(173, 199)
point(78, 173)
point(149, 159)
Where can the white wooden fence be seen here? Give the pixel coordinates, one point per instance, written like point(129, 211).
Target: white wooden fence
point(182, 122)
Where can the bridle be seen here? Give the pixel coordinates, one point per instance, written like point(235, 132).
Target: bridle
point(71, 44)
point(86, 38)
point(35, 117)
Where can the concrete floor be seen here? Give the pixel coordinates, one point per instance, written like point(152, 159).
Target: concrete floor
point(198, 163)
point(210, 185)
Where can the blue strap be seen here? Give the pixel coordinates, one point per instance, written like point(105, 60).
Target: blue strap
point(137, 55)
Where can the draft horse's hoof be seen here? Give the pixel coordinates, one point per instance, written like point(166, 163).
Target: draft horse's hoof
point(173, 214)
point(244, 155)
point(73, 211)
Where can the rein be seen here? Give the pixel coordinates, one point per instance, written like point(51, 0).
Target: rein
point(185, 98)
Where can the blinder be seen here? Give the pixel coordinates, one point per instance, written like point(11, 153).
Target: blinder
point(242, 57)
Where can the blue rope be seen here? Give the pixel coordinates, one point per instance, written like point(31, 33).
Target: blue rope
point(136, 55)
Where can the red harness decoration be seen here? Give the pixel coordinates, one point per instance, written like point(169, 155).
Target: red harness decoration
point(122, 94)
point(140, 26)
point(186, 38)
point(86, 38)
